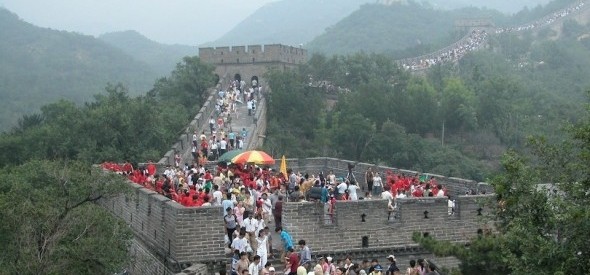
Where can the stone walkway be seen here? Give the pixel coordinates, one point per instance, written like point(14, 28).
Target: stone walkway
point(240, 121)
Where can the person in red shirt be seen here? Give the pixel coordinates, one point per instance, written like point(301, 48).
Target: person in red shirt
point(127, 167)
point(151, 167)
point(293, 261)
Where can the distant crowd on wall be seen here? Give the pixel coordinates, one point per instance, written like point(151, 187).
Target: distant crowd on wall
point(222, 137)
point(474, 41)
point(547, 20)
point(478, 37)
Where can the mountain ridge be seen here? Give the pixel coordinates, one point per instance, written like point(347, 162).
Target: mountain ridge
point(42, 65)
point(162, 58)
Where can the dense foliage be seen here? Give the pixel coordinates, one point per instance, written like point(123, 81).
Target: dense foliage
point(542, 228)
point(51, 225)
point(489, 102)
point(412, 28)
point(41, 66)
point(377, 28)
point(114, 126)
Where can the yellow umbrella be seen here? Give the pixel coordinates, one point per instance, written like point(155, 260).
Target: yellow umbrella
point(283, 168)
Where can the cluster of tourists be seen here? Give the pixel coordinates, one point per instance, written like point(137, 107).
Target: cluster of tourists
point(477, 39)
point(474, 41)
point(547, 20)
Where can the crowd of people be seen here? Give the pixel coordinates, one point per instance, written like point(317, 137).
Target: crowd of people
point(477, 39)
point(547, 20)
point(222, 136)
point(474, 41)
point(252, 199)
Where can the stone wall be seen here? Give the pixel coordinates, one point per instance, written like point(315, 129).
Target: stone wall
point(174, 234)
point(253, 54)
point(364, 225)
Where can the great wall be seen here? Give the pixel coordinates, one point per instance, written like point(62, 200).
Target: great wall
point(169, 237)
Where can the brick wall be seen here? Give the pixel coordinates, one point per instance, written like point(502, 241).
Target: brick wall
point(305, 220)
point(175, 234)
point(253, 54)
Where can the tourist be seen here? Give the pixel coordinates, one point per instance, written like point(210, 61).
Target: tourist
point(277, 212)
point(393, 269)
point(352, 188)
point(369, 180)
point(341, 190)
point(231, 223)
point(266, 269)
point(292, 262)
point(304, 254)
point(286, 239)
point(211, 124)
point(240, 242)
point(377, 184)
point(412, 270)
point(262, 247)
point(250, 225)
point(431, 269)
point(243, 263)
point(239, 212)
point(266, 207)
point(234, 262)
point(254, 266)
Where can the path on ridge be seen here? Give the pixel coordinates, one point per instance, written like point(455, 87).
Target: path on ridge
point(239, 122)
point(476, 39)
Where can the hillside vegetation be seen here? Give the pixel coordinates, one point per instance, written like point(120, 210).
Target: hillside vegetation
point(161, 58)
point(379, 29)
point(288, 22)
point(43, 65)
point(457, 120)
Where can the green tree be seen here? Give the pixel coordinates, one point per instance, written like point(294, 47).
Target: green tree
point(51, 223)
point(542, 214)
point(187, 85)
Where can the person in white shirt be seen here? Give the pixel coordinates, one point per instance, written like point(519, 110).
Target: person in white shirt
point(266, 207)
point(222, 146)
point(352, 191)
point(254, 267)
point(263, 245)
point(341, 189)
point(377, 184)
point(217, 195)
point(386, 195)
point(239, 243)
point(251, 225)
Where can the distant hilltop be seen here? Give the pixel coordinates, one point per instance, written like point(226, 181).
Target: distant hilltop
point(391, 2)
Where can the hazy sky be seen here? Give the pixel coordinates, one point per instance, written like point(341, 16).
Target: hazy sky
point(190, 22)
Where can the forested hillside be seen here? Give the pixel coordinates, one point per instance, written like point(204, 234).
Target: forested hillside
point(380, 29)
point(160, 57)
point(413, 28)
point(288, 22)
point(457, 120)
point(43, 65)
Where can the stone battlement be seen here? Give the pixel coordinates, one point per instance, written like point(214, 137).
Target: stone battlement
point(179, 236)
point(275, 53)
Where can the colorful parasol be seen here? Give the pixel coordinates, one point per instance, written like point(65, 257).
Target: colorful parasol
point(256, 157)
point(229, 155)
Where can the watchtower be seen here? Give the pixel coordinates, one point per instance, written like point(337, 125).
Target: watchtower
point(250, 63)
